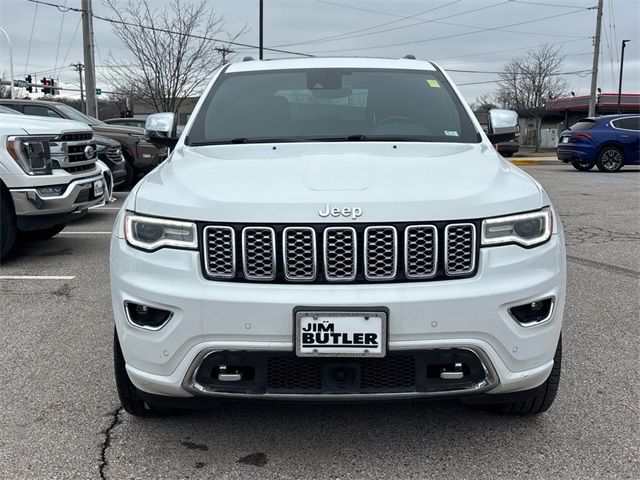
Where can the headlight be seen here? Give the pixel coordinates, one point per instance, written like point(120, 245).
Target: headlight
point(150, 233)
point(526, 229)
point(31, 153)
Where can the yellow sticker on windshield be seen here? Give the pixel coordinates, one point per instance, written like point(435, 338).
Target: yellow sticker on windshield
point(433, 83)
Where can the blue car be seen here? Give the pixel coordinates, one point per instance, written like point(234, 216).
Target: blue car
point(608, 142)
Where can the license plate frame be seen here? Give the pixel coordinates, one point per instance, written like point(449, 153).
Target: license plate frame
point(348, 321)
point(98, 188)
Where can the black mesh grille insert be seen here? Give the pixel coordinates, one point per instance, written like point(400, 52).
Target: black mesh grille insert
point(389, 374)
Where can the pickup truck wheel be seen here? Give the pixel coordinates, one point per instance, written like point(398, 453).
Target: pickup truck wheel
point(583, 167)
point(539, 399)
point(128, 393)
point(507, 154)
point(610, 159)
point(8, 227)
point(42, 234)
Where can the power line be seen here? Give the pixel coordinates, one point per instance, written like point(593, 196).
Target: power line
point(497, 80)
point(545, 4)
point(422, 22)
point(507, 50)
point(452, 35)
point(59, 36)
point(75, 32)
point(33, 25)
point(339, 36)
point(416, 16)
point(62, 8)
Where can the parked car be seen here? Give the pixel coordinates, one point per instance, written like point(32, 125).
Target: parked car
point(127, 122)
point(336, 229)
point(48, 176)
point(140, 155)
point(508, 148)
point(608, 142)
point(110, 153)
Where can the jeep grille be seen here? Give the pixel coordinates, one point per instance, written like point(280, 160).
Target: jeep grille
point(330, 253)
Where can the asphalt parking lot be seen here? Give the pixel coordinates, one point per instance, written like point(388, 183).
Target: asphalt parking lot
point(61, 416)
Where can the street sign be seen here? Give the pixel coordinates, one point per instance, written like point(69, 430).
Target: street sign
point(98, 91)
point(21, 83)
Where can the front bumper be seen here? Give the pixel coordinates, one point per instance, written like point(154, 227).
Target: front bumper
point(77, 196)
point(215, 316)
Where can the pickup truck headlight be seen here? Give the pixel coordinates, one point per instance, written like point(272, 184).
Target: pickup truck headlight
point(526, 229)
point(31, 153)
point(151, 233)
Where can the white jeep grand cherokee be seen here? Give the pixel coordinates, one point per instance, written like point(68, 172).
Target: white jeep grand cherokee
point(336, 229)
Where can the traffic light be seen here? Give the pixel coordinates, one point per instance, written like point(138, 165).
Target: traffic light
point(45, 82)
point(52, 83)
point(126, 114)
point(28, 80)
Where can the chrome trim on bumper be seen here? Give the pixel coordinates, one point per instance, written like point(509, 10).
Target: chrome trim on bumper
point(490, 381)
point(27, 201)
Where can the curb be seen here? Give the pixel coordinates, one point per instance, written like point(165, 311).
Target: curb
point(532, 161)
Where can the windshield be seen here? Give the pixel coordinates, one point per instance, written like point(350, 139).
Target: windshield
point(73, 114)
point(332, 105)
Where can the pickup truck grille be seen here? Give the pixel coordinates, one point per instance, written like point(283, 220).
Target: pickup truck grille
point(339, 254)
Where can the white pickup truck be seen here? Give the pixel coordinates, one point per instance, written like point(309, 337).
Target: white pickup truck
point(49, 176)
point(336, 229)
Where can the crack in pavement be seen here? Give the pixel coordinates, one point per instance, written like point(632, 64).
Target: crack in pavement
point(605, 266)
point(106, 443)
point(578, 234)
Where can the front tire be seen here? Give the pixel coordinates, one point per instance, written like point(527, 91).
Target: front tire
point(610, 159)
point(129, 396)
point(8, 227)
point(583, 167)
point(43, 233)
point(539, 399)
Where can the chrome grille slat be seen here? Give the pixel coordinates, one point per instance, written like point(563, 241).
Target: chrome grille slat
point(299, 254)
point(320, 253)
point(460, 248)
point(340, 254)
point(259, 253)
point(221, 251)
point(380, 253)
point(420, 251)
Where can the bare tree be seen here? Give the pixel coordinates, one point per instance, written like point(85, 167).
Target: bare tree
point(527, 82)
point(172, 47)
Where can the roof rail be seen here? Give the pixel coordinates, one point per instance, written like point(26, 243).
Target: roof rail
point(248, 59)
point(410, 57)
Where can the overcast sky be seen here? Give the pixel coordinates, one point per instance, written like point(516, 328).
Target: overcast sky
point(458, 34)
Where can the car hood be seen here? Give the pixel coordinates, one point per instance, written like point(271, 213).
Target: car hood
point(123, 130)
point(39, 125)
point(293, 182)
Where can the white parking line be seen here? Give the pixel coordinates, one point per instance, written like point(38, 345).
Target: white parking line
point(84, 233)
point(108, 208)
point(37, 277)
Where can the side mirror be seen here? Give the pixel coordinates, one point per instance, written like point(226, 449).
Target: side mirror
point(502, 125)
point(160, 129)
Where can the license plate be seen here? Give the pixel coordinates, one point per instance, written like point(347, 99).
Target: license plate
point(98, 188)
point(341, 334)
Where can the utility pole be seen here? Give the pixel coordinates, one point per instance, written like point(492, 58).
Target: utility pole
point(261, 29)
point(624, 44)
point(89, 66)
point(596, 58)
point(224, 51)
point(78, 68)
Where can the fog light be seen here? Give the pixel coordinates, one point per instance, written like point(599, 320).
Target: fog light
point(146, 317)
point(533, 313)
point(51, 191)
